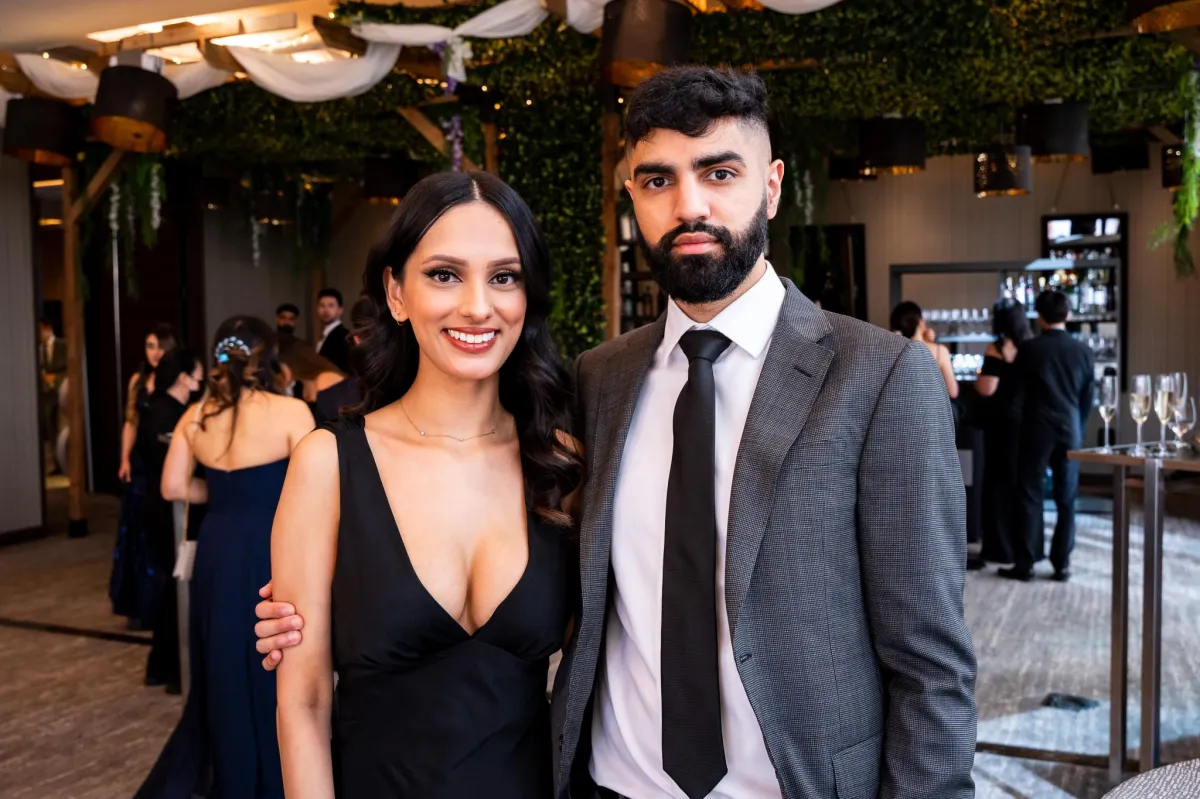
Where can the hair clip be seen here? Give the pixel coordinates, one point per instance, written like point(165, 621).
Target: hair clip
point(227, 345)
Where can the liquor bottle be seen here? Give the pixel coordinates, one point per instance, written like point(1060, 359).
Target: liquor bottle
point(1101, 293)
point(1009, 292)
point(1030, 293)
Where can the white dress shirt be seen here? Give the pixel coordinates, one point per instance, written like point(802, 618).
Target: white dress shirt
point(627, 721)
point(325, 332)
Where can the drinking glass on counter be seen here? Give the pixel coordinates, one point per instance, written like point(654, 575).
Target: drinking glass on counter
point(1108, 405)
point(1139, 406)
point(1183, 422)
point(1164, 408)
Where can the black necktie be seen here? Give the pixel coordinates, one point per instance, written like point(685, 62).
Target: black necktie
point(693, 751)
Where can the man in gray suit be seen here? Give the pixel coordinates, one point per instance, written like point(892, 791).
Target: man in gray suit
point(772, 543)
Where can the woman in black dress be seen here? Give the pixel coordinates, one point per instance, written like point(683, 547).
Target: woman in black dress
point(1002, 423)
point(131, 586)
point(424, 541)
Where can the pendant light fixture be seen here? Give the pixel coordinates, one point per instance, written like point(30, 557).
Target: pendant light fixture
point(387, 180)
point(133, 104)
point(1159, 16)
point(43, 131)
point(640, 37)
point(848, 169)
point(1172, 166)
point(892, 145)
point(1055, 131)
point(1120, 152)
point(1003, 170)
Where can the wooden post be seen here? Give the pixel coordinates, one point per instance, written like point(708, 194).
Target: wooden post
point(490, 152)
point(610, 156)
point(73, 322)
point(74, 209)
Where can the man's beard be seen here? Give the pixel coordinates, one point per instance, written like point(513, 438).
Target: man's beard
point(707, 277)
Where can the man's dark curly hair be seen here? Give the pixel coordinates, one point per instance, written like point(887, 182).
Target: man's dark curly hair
point(692, 99)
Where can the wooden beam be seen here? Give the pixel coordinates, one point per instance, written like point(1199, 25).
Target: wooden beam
point(610, 156)
point(491, 153)
point(557, 8)
point(186, 32)
point(339, 36)
point(99, 183)
point(219, 57)
point(73, 322)
point(433, 134)
point(11, 76)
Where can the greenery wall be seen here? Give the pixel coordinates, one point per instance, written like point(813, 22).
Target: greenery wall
point(962, 66)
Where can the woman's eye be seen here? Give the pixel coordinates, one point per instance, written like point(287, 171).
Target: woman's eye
point(506, 278)
point(442, 276)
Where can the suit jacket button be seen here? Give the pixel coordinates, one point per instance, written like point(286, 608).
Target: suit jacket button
point(744, 657)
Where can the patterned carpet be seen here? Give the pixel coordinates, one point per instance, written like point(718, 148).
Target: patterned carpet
point(77, 723)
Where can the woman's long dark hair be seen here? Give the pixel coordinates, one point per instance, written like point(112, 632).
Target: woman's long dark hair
point(1010, 322)
point(534, 385)
point(244, 359)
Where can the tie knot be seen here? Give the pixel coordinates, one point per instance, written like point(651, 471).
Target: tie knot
point(704, 344)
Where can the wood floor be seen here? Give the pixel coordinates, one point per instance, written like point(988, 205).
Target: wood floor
point(77, 723)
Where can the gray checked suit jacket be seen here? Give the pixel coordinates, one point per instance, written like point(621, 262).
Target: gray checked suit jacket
point(845, 562)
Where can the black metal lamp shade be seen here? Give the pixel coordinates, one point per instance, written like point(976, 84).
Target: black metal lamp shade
point(1003, 170)
point(1055, 132)
point(275, 207)
point(1159, 16)
point(43, 131)
point(1172, 166)
point(133, 106)
point(847, 169)
point(640, 37)
point(1124, 152)
point(892, 146)
point(387, 180)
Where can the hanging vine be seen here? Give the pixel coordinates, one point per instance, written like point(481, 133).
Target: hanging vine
point(1187, 198)
point(135, 202)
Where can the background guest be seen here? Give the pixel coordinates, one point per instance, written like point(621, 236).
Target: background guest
point(1001, 417)
point(179, 374)
point(286, 316)
point(52, 362)
point(333, 345)
point(909, 321)
point(312, 372)
point(1055, 377)
point(345, 393)
point(129, 585)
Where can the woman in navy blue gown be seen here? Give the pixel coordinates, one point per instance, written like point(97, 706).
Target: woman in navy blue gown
point(132, 588)
point(243, 434)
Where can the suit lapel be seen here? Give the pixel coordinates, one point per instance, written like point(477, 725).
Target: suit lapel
point(790, 381)
point(622, 377)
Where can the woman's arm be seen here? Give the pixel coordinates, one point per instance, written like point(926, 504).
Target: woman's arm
point(128, 431)
point(180, 464)
point(986, 385)
point(947, 367)
point(303, 554)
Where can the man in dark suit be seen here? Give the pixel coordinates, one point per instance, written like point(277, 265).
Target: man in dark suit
point(52, 363)
point(333, 345)
point(1056, 374)
point(771, 542)
point(345, 394)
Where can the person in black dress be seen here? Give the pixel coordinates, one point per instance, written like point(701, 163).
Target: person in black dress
point(243, 433)
point(424, 540)
point(1001, 432)
point(130, 586)
point(179, 374)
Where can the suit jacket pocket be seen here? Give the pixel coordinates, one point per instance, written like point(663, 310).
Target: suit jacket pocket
point(856, 769)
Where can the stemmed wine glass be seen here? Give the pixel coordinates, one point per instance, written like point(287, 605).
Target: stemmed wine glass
point(1139, 407)
point(1183, 422)
point(1108, 405)
point(1164, 409)
point(1181, 397)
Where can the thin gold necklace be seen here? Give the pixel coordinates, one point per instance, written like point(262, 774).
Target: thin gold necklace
point(491, 432)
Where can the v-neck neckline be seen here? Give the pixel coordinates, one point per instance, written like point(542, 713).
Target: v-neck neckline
point(399, 536)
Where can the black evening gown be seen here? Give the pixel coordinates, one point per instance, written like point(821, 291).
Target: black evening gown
point(1001, 497)
point(131, 584)
point(225, 746)
point(425, 710)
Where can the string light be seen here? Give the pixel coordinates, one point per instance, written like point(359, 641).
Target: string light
point(83, 66)
point(529, 102)
point(485, 88)
point(496, 106)
point(504, 135)
point(621, 100)
point(331, 15)
point(45, 55)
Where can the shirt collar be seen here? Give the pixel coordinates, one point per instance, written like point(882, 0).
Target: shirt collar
point(330, 326)
point(749, 322)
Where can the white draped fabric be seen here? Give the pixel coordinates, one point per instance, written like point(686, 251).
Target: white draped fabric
point(314, 83)
point(302, 82)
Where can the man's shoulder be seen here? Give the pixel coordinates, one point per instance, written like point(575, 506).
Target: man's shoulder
point(593, 358)
point(858, 342)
